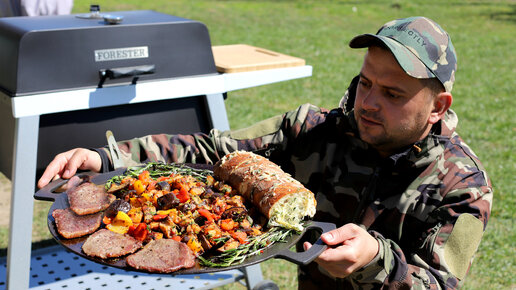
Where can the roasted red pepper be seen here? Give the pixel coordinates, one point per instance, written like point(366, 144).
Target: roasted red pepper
point(240, 236)
point(139, 232)
point(206, 213)
point(131, 229)
point(227, 224)
point(151, 185)
point(159, 217)
point(183, 195)
point(106, 220)
point(162, 178)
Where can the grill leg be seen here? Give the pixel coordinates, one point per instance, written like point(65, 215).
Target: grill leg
point(253, 275)
point(22, 203)
point(217, 109)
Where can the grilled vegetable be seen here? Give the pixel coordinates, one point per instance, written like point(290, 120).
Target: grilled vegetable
point(116, 206)
point(171, 202)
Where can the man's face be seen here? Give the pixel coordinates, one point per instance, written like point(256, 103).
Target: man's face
point(392, 109)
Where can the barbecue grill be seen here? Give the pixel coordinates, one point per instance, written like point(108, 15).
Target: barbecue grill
point(65, 80)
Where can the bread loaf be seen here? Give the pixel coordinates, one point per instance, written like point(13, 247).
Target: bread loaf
point(281, 198)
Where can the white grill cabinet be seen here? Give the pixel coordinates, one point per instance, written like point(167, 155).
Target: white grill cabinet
point(65, 80)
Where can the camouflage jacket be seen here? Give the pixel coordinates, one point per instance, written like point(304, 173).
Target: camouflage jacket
point(427, 205)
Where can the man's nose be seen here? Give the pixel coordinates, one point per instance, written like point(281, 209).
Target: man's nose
point(370, 101)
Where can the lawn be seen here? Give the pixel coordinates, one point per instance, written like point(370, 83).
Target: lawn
point(318, 31)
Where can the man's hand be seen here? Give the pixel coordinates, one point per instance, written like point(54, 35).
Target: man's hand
point(350, 248)
point(65, 165)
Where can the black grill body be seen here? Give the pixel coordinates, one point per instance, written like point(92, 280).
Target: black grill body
point(53, 53)
point(66, 53)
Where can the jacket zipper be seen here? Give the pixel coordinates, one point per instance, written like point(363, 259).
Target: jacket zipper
point(367, 196)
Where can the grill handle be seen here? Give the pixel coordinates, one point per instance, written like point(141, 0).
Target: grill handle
point(123, 72)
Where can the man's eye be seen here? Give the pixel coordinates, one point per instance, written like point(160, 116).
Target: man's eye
point(362, 83)
point(392, 96)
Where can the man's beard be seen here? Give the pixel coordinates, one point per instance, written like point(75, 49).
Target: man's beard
point(405, 134)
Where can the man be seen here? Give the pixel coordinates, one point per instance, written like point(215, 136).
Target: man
point(410, 199)
point(10, 8)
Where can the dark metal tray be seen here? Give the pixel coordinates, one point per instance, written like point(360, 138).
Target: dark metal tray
point(277, 250)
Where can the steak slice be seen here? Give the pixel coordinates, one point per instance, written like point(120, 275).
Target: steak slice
point(162, 256)
point(89, 198)
point(107, 244)
point(70, 225)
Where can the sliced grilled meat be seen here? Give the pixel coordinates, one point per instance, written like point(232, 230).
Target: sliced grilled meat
point(70, 225)
point(107, 244)
point(162, 256)
point(89, 198)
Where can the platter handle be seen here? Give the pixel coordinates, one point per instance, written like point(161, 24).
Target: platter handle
point(49, 193)
point(304, 258)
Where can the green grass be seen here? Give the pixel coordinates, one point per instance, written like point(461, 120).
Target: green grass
point(318, 31)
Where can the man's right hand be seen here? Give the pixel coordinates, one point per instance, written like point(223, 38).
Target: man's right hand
point(65, 165)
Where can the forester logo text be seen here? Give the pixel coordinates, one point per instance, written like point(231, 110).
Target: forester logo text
point(121, 53)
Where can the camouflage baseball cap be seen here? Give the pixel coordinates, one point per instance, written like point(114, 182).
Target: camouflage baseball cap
point(423, 49)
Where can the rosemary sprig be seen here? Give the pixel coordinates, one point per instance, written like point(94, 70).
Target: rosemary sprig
point(157, 169)
point(255, 246)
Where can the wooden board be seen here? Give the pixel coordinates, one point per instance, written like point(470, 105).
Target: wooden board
point(243, 57)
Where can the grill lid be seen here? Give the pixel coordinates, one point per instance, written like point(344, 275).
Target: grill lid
point(54, 53)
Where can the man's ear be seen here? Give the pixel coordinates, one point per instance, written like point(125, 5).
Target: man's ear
point(441, 104)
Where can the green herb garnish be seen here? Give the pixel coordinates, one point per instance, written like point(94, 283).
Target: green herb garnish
point(157, 169)
point(255, 246)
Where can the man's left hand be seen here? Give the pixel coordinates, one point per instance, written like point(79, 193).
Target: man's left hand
point(350, 248)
